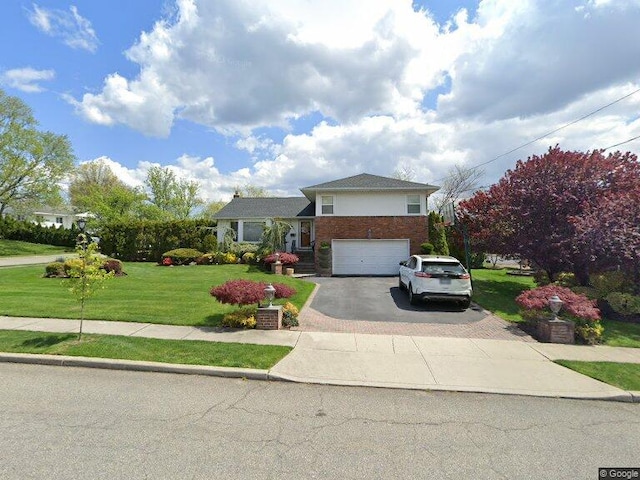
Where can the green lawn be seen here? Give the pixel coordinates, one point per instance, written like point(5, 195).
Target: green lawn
point(621, 334)
point(12, 248)
point(622, 375)
point(149, 293)
point(496, 291)
point(191, 352)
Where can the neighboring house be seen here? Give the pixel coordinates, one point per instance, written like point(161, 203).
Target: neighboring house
point(370, 222)
point(57, 218)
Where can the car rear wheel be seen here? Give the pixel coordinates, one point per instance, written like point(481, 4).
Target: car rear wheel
point(465, 303)
point(412, 298)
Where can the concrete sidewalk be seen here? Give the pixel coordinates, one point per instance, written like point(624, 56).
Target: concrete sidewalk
point(392, 361)
point(33, 259)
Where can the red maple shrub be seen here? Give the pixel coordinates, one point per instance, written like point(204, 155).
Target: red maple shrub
point(575, 305)
point(285, 258)
point(247, 292)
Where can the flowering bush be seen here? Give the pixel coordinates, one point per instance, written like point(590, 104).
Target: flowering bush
point(113, 265)
point(578, 308)
point(206, 259)
point(242, 318)
point(290, 315)
point(284, 257)
point(166, 261)
point(249, 258)
point(227, 258)
point(246, 292)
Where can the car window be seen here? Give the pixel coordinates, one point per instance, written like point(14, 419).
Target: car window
point(412, 263)
point(442, 267)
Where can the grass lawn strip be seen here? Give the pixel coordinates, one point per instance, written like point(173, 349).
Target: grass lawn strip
point(496, 291)
point(621, 375)
point(190, 352)
point(148, 294)
point(13, 248)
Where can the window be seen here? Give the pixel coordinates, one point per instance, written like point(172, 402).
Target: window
point(252, 231)
point(58, 219)
point(234, 227)
point(327, 204)
point(413, 204)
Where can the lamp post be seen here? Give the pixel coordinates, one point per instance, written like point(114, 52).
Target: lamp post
point(555, 304)
point(82, 223)
point(270, 292)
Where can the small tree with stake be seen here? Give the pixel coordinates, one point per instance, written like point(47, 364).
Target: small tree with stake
point(86, 275)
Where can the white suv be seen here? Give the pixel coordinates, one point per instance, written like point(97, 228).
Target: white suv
point(434, 277)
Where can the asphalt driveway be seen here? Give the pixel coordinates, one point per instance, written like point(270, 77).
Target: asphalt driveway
point(379, 299)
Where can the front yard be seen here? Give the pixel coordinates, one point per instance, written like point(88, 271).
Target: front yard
point(149, 293)
point(496, 291)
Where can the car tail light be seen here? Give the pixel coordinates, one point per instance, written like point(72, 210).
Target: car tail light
point(464, 276)
point(423, 275)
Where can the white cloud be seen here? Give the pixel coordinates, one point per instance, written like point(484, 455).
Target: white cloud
point(237, 65)
point(71, 27)
point(509, 74)
point(26, 79)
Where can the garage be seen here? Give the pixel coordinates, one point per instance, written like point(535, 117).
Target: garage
point(368, 257)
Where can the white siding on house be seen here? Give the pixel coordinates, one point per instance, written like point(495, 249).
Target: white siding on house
point(365, 204)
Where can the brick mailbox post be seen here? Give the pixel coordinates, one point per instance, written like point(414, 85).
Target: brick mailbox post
point(269, 318)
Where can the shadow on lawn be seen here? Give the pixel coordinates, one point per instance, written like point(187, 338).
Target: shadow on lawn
point(47, 340)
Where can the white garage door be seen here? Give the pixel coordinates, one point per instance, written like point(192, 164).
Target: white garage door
point(368, 257)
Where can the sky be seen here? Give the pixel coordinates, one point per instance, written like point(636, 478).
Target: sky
point(293, 93)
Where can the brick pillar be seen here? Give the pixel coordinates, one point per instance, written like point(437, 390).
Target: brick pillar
point(276, 268)
point(269, 318)
point(556, 331)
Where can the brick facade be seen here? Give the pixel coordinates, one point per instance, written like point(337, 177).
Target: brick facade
point(415, 228)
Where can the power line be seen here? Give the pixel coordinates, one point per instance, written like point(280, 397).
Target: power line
point(622, 143)
point(557, 130)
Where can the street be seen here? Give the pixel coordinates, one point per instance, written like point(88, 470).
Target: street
point(74, 423)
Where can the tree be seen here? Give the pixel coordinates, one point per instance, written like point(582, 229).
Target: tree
point(86, 274)
point(458, 181)
point(404, 172)
point(610, 232)
point(534, 209)
point(211, 208)
point(95, 188)
point(31, 162)
point(173, 198)
point(273, 237)
point(252, 191)
point(437, 234)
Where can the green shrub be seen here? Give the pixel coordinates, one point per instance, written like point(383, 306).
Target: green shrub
point(249, 258)
point(566, 279)
point(589, 332)
point(241, 248)
point(228, 258)
point(55, 269)
point(241, 318)
point(182, 256)
point(72, 264)
point(608, 282)
point(426, 248)
point(624, 303)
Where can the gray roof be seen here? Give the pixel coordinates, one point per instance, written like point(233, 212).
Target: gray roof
point(366, 181)
point(267, 207)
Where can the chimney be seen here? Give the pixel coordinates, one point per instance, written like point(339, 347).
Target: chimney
point(236, 194)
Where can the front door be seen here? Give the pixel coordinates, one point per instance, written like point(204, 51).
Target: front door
point(305, 234)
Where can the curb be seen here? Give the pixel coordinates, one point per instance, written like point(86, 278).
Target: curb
point(134, 365)
point(266, 375)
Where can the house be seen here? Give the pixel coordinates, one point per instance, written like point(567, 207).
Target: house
point(48, 217)
point(369, 222)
